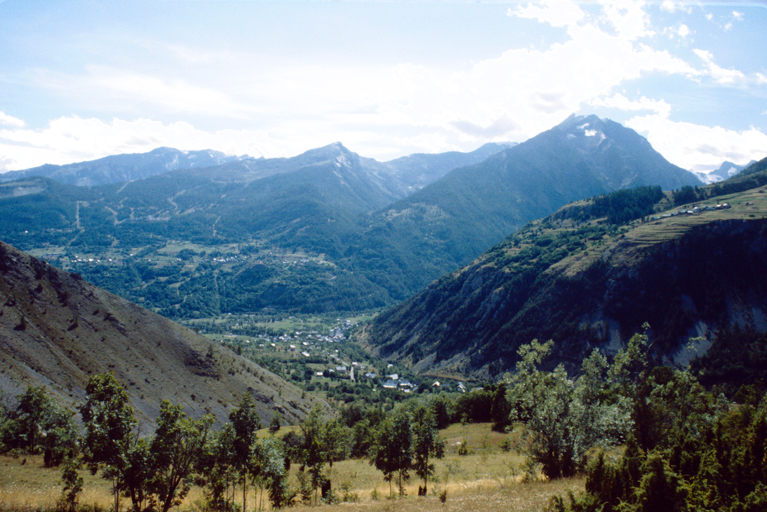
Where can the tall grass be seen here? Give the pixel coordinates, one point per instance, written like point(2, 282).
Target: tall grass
point(486, 479)
point(25, 484)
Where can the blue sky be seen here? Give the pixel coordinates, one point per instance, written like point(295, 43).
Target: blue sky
point(82, 79)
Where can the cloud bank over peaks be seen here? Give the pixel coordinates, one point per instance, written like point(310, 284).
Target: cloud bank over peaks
point(699, 148)
point(619, 101)
point(143, 88)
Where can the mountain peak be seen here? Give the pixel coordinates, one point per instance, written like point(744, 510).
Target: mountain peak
point(324, 153)
point(588, 125)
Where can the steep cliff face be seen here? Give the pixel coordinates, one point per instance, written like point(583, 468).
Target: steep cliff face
point(56, 330)
point(590, 284)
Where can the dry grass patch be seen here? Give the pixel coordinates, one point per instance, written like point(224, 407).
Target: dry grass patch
point(486, 479)
point(26, 484)
point(509, 498)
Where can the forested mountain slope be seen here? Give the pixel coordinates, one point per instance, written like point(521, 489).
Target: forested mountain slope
point(57, 330)
point(589, 276)
point(253, 211)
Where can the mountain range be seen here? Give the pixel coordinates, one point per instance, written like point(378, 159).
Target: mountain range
point(120, 168)
point(327, 230)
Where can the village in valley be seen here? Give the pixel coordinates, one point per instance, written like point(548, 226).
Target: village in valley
point(315, 354)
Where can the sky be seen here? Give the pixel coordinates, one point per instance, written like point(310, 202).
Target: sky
point(83, 79)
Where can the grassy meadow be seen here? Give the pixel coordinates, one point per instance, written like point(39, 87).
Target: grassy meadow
point(487, 479)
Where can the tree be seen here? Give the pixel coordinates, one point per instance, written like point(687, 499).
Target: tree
point(177, 447)
point(444, 410)
point(217, 463)
point(38, 424)
point(246, 423)
point(426, 444)
point(274, 475)
point(565, 419)
point(313, 452)
point(29, 415)
point(689, 449)
point(391, 451)
point(499, 411)
point(72, 484)
point(109, 441)
point(660, 488)
point(337, 439)
point(136, 472)
point(274, 424)
point(60, 437)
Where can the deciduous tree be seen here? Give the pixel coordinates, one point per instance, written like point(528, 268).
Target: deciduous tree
point(109, 439)
point(246, 423)
point(391, 451)
point(427, 444)
point(564, 419)
point(176, 448)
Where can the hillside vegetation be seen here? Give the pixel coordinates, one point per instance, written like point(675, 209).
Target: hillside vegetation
point(591, 275)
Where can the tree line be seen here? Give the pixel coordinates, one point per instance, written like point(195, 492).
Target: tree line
point(156, 472)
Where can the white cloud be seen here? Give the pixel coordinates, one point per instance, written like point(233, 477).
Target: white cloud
point(173, 94)
point(628, 17)
point(697, 147)
point(557, 13)
point(736, 16)
point(192, 55)
point(6, 120)
point(620, 102)
point(672, 7)
point(528, 90)
point(123, 90)
point(721, 75)
point(683, 30)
